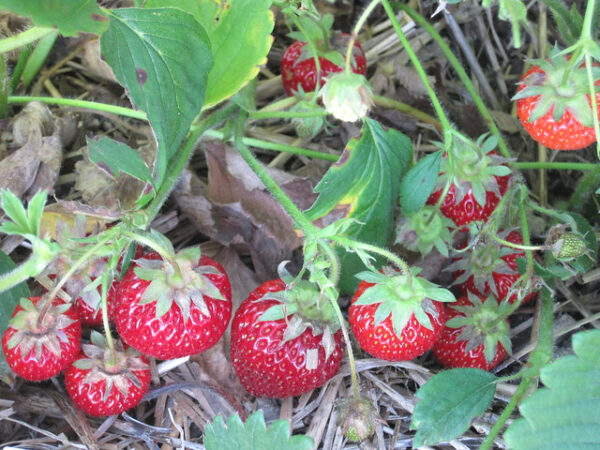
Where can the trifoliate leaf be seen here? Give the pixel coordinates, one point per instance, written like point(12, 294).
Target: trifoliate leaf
point(253, 435)
point(563, 414)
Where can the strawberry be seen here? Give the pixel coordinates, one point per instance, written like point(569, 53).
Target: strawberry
point(89, 306)
point(84, 286)
point(490, 268)
point(473, 337)
point(478, 179)
point(554, 103)
point(298, 71)
point(283, 341)
point(103, 383)
point(170, 309)
point(38, 351)
point(397, 317)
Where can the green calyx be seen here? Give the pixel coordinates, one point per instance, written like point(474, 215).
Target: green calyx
point(562, 85)
point(115, 368)
point(472, 166)
point(33, 336)
point(180, 281)
point(303, 307)
point(483, 323)
point(401, 296)
point(424, 230)
point(483, 261)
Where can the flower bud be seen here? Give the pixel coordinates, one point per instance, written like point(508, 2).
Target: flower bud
point(569, 246)
point(347, 96)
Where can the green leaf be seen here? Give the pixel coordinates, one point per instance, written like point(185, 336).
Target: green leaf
point(118, 157)
point(162, 56)
point(203, 11)
point(241, 40)
point(419, 183)
point(24, 221)
point(70, 17)
point(9, 300)
point(449, 402)
point(565, 413)
point(252, 435)
point(364, 183)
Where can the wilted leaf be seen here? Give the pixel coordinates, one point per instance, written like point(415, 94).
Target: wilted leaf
point(253, 435)
point(99, 189)
point(564, 414)
point(235, 209)
point(364, 185)
point(36, 164)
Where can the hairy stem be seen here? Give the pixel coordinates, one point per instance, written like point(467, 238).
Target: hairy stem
point(418, 67)
point(301, 221)
point(95, 106)
point(357, 27)
point(462, 74)
point(334, 275)
point(180, 160)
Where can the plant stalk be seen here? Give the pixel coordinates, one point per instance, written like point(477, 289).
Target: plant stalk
point(23, 38)
point(418, 67)
point(180, 159)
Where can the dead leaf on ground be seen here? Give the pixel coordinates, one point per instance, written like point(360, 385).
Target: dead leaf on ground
point(236, 210)
point(99, 189)
point(36, 163)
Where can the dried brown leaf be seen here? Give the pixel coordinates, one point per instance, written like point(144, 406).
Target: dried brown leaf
point(36, 163)
point(236, 210)
point(99, 189)
point(92, 60)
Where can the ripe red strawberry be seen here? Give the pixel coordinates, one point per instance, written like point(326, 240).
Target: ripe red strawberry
point(396, 317)
point(472, 336)
point(283, 343)
point(35, 352)
point(166, 314)
point(298, 64)
point(88, 304)
point(554, 104)
point(478, 179)
point(490, 268)
point(103, 383)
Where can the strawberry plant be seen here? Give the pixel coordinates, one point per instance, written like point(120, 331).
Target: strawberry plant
point(394, 190)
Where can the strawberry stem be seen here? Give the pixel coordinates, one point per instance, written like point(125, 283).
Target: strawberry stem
point(103, 239)
point(462, 74)
point(42, 254)
point(418, 67)
point(538, 358)
point(354, 35)
point(83, 104)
